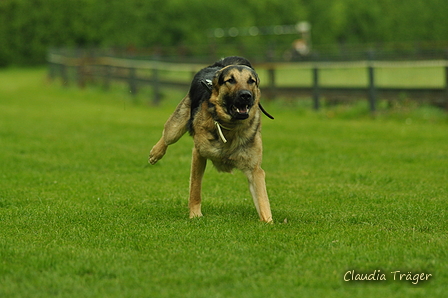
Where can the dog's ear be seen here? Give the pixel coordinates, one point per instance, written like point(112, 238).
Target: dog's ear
point(254, 76)
point(257, 79)
point(219, 77)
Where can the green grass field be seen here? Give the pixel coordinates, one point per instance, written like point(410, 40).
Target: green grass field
point(82, 214)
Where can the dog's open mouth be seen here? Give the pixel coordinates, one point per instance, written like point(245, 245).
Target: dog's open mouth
point(241, 111)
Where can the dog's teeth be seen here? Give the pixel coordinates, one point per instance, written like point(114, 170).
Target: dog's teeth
point(244, 110)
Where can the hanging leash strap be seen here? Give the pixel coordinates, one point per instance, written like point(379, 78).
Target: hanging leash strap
point(221, 135)
point(264, 111)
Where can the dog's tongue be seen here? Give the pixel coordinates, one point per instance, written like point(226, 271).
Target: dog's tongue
point(242, 110)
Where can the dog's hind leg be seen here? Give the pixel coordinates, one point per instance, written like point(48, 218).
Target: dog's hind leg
point(257, 186)
point(175, 127)
point(198, 164)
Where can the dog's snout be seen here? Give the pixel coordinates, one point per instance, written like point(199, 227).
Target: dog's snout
point(245, 95)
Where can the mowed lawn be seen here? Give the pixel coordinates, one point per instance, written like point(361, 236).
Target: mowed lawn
point(82, 214)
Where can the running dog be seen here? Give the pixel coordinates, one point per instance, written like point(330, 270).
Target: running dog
point(222, 114)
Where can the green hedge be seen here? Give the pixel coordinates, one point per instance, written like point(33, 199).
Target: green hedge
point(29, 27)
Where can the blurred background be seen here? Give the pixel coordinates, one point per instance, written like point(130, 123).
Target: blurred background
point(197, 30)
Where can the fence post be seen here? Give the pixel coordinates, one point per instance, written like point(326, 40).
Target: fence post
point(155, 86)
point(80, 74)
point(51, 71)
point(372, 89)
point(316, 88)
point(132, 81)
point(271, 82)
point(446, 81)
point(80, 57)
point(107, 76)
point(64, 74)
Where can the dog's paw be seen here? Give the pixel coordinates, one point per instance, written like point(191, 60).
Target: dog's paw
point(152, 160)
point(157, 152)
point(195, 215)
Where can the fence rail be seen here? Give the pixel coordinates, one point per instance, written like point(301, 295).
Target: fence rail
point(109, 69)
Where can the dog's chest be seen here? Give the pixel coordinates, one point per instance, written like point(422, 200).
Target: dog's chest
point(228, 156)
point(226, 161)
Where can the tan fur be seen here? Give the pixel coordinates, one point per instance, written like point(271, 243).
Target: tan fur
point(175, 127)
point(242, 151)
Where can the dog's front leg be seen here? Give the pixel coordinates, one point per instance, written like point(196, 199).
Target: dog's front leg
point(175, 127)
point(257, 186)
point(198, 164)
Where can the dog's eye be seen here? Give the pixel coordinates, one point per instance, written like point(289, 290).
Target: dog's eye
point(231, 81)
point(251, 81)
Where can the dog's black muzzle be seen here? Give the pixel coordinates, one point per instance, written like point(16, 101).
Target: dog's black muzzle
point(242, 103)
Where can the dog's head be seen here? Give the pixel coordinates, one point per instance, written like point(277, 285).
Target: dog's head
point(236, 91)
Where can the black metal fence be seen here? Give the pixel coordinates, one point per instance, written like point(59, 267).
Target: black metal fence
point(84, 68)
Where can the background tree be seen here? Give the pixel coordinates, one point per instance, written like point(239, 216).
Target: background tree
point(29, 27)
